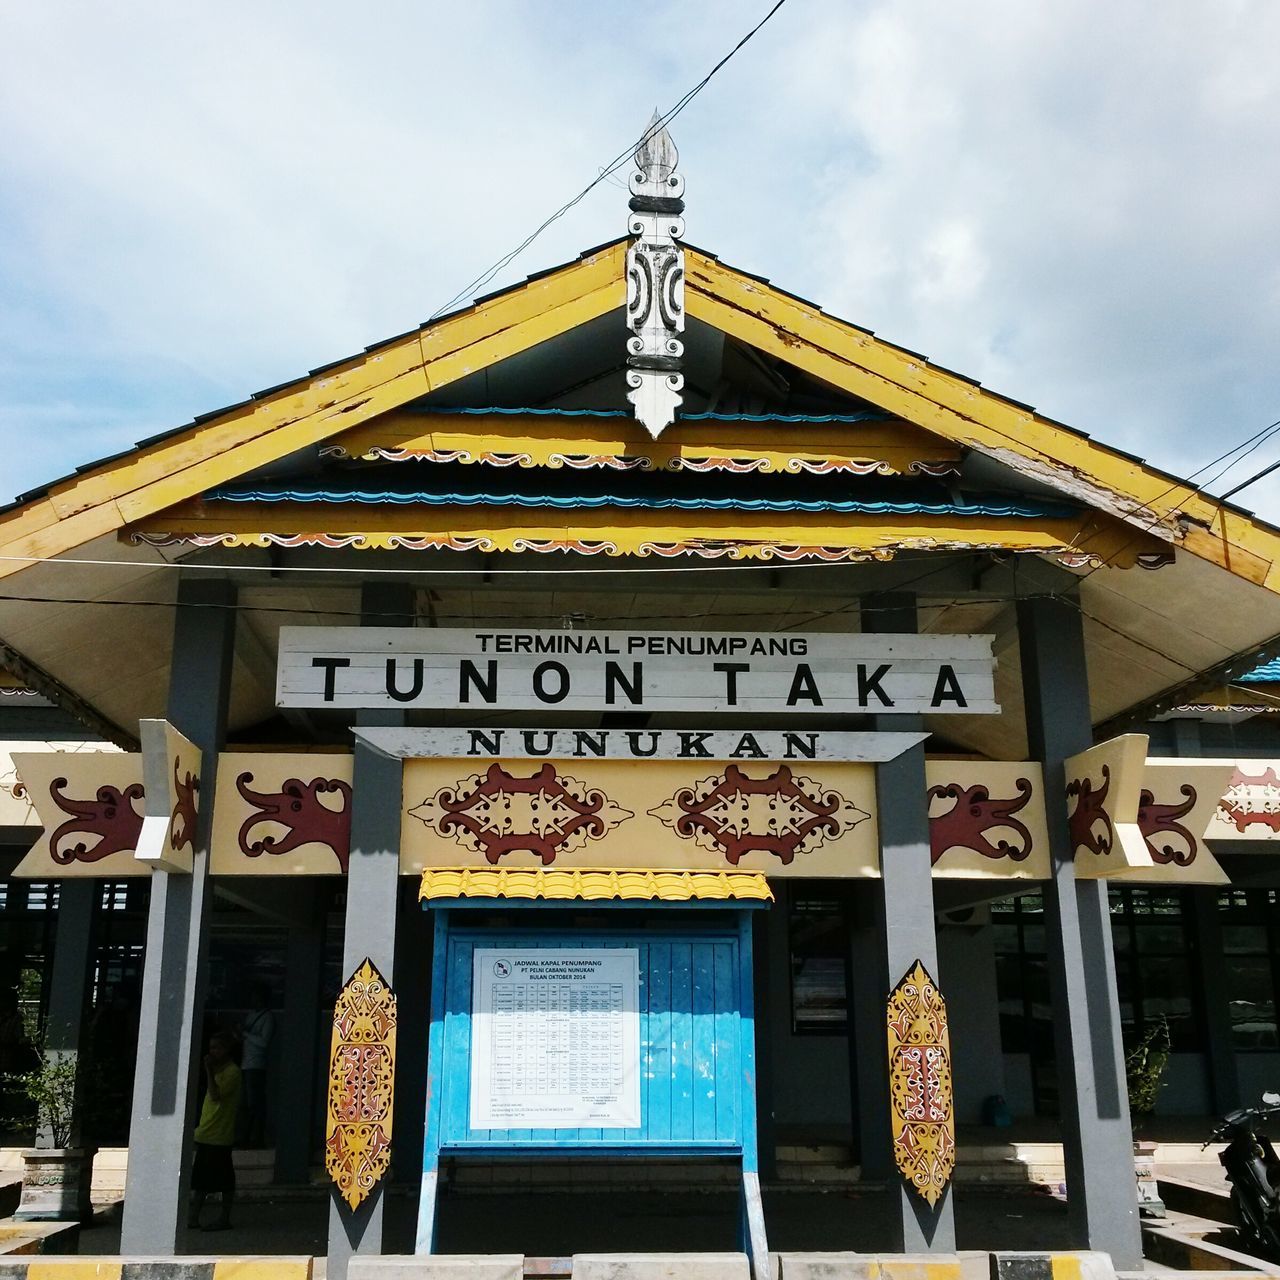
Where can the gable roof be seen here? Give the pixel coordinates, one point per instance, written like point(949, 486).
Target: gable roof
point(222, 448)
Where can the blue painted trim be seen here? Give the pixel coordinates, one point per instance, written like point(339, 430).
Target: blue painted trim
point(1268, 673)
point(425, 1236)
point(863, 415)
point(713, 971)
point(1006, 506)
point(747, 1047)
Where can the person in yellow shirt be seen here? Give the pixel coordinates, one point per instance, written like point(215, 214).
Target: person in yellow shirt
point(215, 1134)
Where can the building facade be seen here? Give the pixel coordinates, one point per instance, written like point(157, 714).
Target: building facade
point(645, 586)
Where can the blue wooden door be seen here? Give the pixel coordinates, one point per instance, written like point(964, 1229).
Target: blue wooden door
point(695, 1054)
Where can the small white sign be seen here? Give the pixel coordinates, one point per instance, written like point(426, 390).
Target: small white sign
point(736, 672)
point(555, 1038)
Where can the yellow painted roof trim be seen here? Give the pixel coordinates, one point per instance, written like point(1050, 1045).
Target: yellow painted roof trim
point(950, 406)
point(749, 535)
point(595, 886)
point(556, 442)
point(311, 410)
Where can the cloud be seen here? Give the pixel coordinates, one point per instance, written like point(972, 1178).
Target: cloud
point(1074, 204)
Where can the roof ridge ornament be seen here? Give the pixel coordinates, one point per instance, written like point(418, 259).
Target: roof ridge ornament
point(655, 281)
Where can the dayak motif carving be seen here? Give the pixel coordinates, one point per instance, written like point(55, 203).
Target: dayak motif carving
point(361, 1084)
point(497, 813)
point(1168, 840)
point(782, 815)
point(110, 817)
point(182, 822)
point(1253, 799)
point(297, 808)
point(974, 816)
point(920, 1091)
point(655, 281)
point(1089, 823)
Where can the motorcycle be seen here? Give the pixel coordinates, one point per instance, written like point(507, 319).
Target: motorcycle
point(1253, 1170)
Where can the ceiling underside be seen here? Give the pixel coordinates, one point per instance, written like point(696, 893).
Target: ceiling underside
point(104, 633)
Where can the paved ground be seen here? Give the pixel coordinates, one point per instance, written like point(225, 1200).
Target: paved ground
point(552, 1224)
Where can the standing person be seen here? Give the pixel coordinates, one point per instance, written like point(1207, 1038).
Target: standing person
point(255, 1034)
point(216, 1134)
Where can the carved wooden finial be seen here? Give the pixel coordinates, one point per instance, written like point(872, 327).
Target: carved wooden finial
point(655, 281)
point(656, 156)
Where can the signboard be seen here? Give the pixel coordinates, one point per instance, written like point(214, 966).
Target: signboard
point(555, 1038)
point(750, 672)
point(637, 744)
point(786, 819)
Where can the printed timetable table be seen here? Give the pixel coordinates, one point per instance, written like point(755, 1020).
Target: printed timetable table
point(555, 1039)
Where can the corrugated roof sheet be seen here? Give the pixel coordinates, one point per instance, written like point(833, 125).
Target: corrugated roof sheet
point(595, 886)
point(398, 490)
point(1267, 673)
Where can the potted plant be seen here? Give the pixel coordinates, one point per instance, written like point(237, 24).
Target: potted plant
point(1144, 1073)
point(55, 1178)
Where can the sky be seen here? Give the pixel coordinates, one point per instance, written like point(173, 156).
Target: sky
point(1077, 205)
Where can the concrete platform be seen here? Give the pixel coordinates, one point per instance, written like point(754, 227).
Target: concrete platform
point(661, 1266)
point(476, 1266)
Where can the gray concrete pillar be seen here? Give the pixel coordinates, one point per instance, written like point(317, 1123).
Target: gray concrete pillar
point(300, 1040)
point(372, 889)
point(64, 1035)
point(906, 917)
point(1093, 1099)
point(173, 978)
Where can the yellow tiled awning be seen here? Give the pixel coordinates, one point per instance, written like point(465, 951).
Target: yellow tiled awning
point(594, 886)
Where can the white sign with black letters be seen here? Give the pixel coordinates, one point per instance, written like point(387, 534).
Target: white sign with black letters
point(447, 668)
point(555, 1038)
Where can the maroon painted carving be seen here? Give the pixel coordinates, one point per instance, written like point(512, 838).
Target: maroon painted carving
point(182, 821)
point(1159, 826)
point(1089, 812)
point(798, 815)
point(966, 823)
point(297, 808)
point(1253, 798)
point(500, 813)
point(110, 816)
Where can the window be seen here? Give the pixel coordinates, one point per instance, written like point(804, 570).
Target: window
point(1155, 966)
point(819, 944)
point(1251, 946)
point(1154, 977)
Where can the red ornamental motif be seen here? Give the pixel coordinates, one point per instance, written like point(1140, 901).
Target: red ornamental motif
point(974, 813)
point(498, 813)
point(1253, 798)
point(110, 816)
point(297, 808)
point(781, 814)
point(1083, 822)
point(362, 1083)
point(182, 822)
point(1159, 822)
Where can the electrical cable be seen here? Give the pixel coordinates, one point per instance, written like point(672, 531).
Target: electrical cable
point(602, 174)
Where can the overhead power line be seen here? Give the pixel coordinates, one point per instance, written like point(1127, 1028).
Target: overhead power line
point(603, 172)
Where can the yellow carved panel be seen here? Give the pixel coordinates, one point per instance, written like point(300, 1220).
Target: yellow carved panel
point(921, 1104)
point(362, 1068)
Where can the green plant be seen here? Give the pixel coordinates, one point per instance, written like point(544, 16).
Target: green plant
point(1144, 1068)
point(50, 1085)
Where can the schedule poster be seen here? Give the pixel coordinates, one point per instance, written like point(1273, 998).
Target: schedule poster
point(555, 1039)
